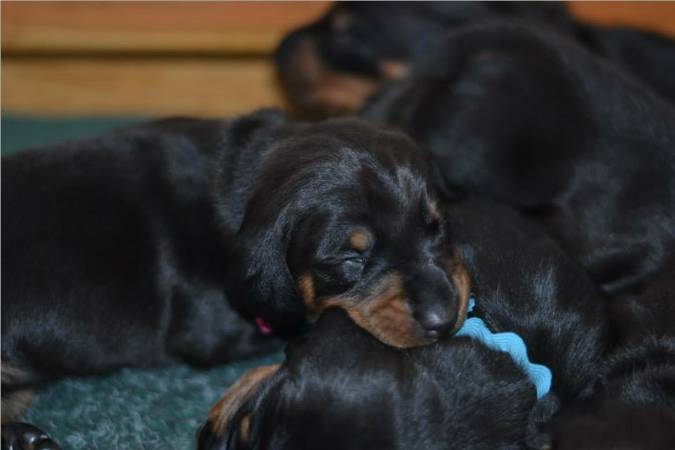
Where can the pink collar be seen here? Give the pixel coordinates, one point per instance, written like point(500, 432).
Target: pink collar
point(263, 326)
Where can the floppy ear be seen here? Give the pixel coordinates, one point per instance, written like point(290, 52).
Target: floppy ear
point(258, 281)
point(260, 284)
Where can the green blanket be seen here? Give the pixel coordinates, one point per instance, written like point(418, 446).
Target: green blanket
point(130, 409)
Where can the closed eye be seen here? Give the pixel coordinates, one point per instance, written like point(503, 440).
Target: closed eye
point(355, 260)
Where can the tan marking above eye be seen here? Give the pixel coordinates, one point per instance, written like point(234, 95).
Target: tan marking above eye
point(393, 69)
point(360, 240)
point(306, 288)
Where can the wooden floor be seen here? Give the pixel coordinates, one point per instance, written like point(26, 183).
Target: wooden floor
point(160, 58)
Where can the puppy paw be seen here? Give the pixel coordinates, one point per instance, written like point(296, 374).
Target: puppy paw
point(23, 436)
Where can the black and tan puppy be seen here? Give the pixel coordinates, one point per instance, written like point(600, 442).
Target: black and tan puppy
point(536, 121)
point(452, 394)
point(331, 66)
point(125, 250)
point(363, 394)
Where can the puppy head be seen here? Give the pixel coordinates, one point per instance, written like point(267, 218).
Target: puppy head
point(331, 66)
point(363, 394)
point(340, 214)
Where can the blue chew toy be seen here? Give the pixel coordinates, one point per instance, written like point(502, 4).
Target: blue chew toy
point(510, 343)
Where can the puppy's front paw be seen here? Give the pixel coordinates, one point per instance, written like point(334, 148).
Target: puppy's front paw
point(23, 436)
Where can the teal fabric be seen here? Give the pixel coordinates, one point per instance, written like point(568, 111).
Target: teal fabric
point(130, 409)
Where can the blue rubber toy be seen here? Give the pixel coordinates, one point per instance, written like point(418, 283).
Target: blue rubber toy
point(510, 343)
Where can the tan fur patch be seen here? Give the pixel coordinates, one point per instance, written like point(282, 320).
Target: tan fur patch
point(460, 278)
point(393, 69)
point(385, 313)
point(236, 395)
point(306, 288)
point(360, 240)
point(314, 86)
point(245, 427)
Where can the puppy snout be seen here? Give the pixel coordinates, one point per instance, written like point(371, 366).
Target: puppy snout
point(435, 302)
point(436, 322)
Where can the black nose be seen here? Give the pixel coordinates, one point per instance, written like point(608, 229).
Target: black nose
point(436, 322)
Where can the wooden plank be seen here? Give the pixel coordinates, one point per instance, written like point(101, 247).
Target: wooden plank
point(648, 15)
point(133, 86)
point(237, 27)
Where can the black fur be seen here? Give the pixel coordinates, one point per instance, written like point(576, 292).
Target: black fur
point(112, 256)
point(632, 405)
point(312, 185)
point(525, 283)
point(536, 121)
point(363, 394)
point(356, 39)
point(452, 394)
point(119, 250)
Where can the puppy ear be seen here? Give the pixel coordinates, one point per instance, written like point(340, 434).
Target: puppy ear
point(259, 281)
point(541, 414)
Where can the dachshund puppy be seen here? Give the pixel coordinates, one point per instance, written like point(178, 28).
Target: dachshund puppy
point(363, 394)
point(333, 65)
point(136, 248)
point(536, 121)
point(452, 394)
point(338, 213)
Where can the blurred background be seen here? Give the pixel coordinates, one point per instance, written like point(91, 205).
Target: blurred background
point(79, 68)
point(190, 58)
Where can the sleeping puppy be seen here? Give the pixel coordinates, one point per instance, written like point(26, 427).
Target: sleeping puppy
point(452, 394)
point(366, 395)
point(331, 66)
point(338, 213)
point(538, 122)
point(136, 248)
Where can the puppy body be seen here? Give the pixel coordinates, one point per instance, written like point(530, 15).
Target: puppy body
point(538, 122)
point(136, 248)
point(525, 283)
point(363, 394)
point(331, 66)
point(112, 256)
point(449, 394)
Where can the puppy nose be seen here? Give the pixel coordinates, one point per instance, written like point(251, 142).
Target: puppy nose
point(436, 323)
